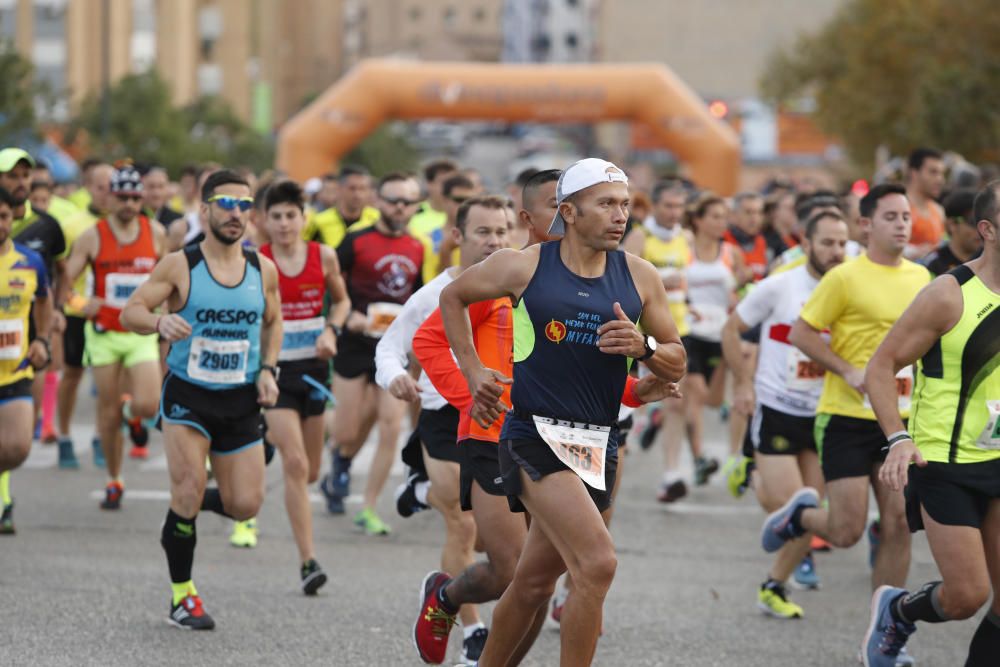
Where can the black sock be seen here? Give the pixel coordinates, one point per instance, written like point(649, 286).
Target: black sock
point(212, 501)
point(772, 584)
point(445, 602)
point(922, 605)
point(985, 644)
point(179, 538)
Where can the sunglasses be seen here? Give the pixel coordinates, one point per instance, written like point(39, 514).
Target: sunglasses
point(400, 201)
point(228, 203)
point(129, 197)
point(459, 200)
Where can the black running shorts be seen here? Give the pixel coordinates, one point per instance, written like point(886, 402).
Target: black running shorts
point(73, 341)
point(848, 446)
point(953, 494)
point(703, 356)
point(480, 464)
point(355, 357)
point(537, 460)
point(437, 430)
point(295, 393)
point(230, 418)
point(774, 432)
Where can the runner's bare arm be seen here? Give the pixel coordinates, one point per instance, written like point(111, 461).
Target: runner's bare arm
point(935, 311)
point(270, 332)
point(335, 287)
point(620, 336)
point(732, 353)
point(138, 316)
point(82, 254)
point(809, 340)
point(39, 353)
point(62, 282)
point(159, 238)
point(504, 273)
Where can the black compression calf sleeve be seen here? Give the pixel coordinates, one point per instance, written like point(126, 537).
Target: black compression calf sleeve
point(179, 538)
point(922, 605)
point(985, 646)
point(212, 501)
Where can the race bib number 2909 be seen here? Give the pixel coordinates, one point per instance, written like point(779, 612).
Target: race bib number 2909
point(218, 361)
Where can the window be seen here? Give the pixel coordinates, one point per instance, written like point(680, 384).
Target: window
point(571, 40)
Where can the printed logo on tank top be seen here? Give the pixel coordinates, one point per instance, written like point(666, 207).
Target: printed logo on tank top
point(555, 331)
point(395, 280)
point(581, 330)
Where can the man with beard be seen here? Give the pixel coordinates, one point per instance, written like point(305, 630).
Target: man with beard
point(122, 250)
point(783, 393)
point(381, 264)
point(224, 326)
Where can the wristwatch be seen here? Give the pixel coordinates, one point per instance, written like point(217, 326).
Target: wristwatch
point(337, 331)
point(650, 343)
point(275, 371)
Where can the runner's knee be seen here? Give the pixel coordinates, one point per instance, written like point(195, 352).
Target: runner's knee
point(13, 454)
point(595, 572)
point(243, 505)
point(295, 466)
point(961, 600)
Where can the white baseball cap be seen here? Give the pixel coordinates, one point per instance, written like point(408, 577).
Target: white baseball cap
point(581, 175)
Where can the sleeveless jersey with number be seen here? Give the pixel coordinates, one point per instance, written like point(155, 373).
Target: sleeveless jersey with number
point(754, 251)
point(559, 371)
point(956, 402)
point(301, 307)
point(223, 350)
point(119, 269)
point(710, 286)
point(22, 278)
point(671, 257)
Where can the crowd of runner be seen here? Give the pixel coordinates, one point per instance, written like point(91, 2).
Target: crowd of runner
point(515, 337)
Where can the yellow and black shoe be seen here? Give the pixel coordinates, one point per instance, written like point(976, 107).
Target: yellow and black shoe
point(7, 519)
point(244, 534)
point(773, 601)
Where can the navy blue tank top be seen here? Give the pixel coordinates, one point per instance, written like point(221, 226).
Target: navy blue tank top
point(559, 371)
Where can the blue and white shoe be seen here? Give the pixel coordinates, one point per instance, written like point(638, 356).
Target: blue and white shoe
point(805, 577)
point(67, 457)
point(778, 527)
point(886, 637)
point(904, 659)
point(334, 501)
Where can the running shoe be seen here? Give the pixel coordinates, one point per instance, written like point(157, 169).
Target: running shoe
point(49, 436)
point(874, 537)
point(473, 645)
point(778, 527)
point(244, 534)
point(433, 625)
point(137, 432)
point(370, 522)
point(113, 493)
point(672, 492)
point(98, 453)
point(7, 520)
point(188, 614)
point(738, 479)
point(558, 602)
point(313, 577)
point(904, 659)
point(820, 545)
point(334, 502)
point(137, 452)
point(406, 496)
point(67, 456)
point(805, 577)
point(704, 469)
point(341, 478)
point(886, 637)
point(648, 435)
point(773, 601)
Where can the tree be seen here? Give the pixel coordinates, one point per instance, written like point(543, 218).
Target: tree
point(384, 150)
point(144, 125)
point(902, 73)
point(19, 93)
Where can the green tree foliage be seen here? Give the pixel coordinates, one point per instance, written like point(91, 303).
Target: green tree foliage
point(19, 92)
point(144, 125)
point(902, 73)
point(384, 150)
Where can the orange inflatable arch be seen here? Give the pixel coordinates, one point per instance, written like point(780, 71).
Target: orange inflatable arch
point(377, 91)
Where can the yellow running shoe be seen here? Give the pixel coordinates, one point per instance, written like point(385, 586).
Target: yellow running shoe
point(370, 522)
point(738, 476)
point(773, 601)
point(244, 534)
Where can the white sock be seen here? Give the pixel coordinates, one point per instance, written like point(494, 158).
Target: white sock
point(420, 490)
point(468, 630)
point(671, 476)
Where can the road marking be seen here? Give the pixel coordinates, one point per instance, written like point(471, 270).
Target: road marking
point(160, 495)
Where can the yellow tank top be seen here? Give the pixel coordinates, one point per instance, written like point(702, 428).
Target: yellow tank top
point(671, 257)
point(956, 401)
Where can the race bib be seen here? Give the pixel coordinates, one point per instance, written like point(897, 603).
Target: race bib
point(904, 390)
point(299, 338)
point(802, 373)
point(990, 437)
point(11, 339)
point(380, 315)
point(218, 361)
point(707, 321)
point(581, 448)
point(118, 287)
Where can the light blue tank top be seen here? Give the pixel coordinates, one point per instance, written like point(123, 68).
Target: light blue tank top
point(223, 350)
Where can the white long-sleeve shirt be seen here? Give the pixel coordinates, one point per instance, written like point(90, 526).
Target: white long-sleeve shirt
point(395, 346)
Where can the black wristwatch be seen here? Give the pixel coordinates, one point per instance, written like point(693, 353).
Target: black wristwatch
point(275, 371)
point(650, 344)
point(337, 331)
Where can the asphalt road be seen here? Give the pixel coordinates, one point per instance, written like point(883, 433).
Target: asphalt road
point(79, 586)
